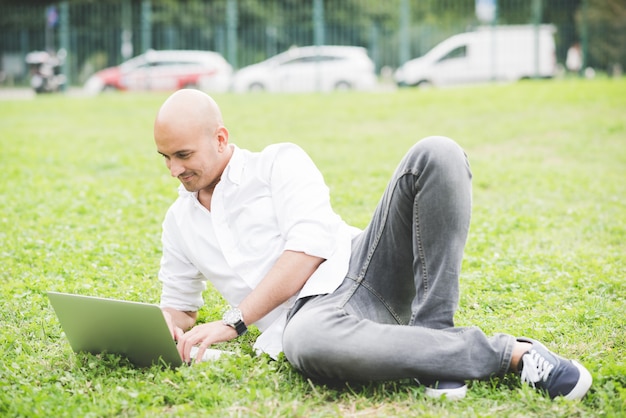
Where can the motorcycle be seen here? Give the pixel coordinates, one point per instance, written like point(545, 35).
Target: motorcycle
point(45, 70)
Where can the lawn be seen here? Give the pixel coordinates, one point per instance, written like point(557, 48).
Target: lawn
point(84, 192)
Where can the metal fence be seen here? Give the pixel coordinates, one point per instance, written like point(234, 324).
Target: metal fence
point(100, 34)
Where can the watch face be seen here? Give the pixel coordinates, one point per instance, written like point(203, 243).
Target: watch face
point(232, 316)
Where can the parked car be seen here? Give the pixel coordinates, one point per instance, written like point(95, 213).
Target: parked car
point(309, 68)
point(500, 53)
point(165, 70)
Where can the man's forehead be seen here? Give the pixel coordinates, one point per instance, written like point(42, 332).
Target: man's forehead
point(171, 144)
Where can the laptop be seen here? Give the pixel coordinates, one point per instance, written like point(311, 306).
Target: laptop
point(135, 330)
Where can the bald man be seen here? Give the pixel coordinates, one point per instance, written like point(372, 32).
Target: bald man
point(342, 304)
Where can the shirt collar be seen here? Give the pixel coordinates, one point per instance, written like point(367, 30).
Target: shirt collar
point(234, 169)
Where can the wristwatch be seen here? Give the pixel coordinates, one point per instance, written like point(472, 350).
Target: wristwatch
point(233, 318)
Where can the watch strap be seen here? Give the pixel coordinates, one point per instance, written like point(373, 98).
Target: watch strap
point(240, 327)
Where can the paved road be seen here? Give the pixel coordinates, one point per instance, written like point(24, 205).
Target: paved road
point(11, 93)
point(25, 93)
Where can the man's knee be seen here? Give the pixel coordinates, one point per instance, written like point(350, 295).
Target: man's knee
point(439, 153)
point(301, 338)
point(438, 147)
point(312, 344)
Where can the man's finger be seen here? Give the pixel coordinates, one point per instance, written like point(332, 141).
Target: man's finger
point(177, 333)
point(201, 349)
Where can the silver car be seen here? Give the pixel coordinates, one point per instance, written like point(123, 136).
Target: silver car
point(307, 69)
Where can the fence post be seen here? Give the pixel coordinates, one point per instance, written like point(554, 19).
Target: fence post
point(318, 22)
point(494, 44)
point(64, 42)
point(536, 12)
point(404, 42)
point(126, 48)
point(146, 25)
point(374, 41)
point(585, 37)
point(231, 32)
point(318, 37)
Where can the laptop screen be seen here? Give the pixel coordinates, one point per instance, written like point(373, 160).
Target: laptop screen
point(135, 330)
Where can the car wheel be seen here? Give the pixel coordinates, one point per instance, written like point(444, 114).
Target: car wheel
point(424, 84)
point(256, 87)
point(108, 88)
point(343, 86)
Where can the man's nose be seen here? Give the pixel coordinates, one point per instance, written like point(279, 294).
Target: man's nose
point(176, 168)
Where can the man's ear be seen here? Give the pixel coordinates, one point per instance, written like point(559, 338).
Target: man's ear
point(222, 137)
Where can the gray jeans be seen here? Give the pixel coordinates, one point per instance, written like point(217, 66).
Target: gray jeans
point(392, 318)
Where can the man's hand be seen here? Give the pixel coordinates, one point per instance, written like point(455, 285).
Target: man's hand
point(203, 336)
point(175, 330)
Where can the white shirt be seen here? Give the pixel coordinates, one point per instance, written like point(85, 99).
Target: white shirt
point(264, 204)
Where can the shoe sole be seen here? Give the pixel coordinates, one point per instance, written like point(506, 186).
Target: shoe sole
point(450, 394)
point(583, 384)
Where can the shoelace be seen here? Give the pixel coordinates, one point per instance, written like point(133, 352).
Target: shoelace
point(535, 368)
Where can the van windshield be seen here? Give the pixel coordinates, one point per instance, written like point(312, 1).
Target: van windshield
point(458, 52)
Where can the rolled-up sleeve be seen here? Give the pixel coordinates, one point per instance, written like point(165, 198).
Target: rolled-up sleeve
point(182, 282)
point(302, 204)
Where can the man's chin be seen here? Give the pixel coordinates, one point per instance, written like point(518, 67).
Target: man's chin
point(189, 186)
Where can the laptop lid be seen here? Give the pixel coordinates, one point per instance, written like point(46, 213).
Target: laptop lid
point(135, 330)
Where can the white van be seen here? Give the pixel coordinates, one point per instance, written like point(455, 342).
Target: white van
point(491, 53)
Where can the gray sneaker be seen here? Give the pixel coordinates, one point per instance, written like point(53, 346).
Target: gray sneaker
point(544, 370)
point(438, 389)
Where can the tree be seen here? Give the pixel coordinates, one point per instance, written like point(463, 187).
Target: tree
point(606, 23)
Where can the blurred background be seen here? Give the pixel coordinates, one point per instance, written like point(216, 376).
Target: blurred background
point(78, 38)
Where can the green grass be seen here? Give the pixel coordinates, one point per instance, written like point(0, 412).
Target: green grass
point(83, 194)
